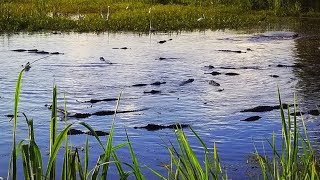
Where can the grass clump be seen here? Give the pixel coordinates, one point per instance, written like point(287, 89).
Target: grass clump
point(296, 159)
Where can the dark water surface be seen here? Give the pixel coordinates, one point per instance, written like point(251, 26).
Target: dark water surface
point(213, 111)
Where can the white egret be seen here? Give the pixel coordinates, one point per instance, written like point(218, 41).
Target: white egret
point(202, 18)
point(108, 13)
point(151, 29)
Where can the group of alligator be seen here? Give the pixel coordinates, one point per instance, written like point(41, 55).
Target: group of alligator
point(153, 127)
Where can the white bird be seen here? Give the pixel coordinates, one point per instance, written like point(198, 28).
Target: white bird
point(151, 29)
point(127, 7)
point(108, 13)
point(80, 16)
point(202, 18)
point(105, 16)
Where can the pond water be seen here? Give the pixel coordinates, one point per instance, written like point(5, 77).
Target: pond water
point(214, 112)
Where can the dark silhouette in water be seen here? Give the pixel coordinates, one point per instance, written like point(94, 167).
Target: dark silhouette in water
point(106, 61)
point(227, 50)
point(213, 83)
point(78, 132)
point(27, 66)
point(186, 82)
point(232, 74)
point(155, 127)
point(266, 108)
point(139, 85)
point(214, 73)
point(103, 113)
point(252, 118)
point(152, 92)
point(274, 76)
point(158, 83)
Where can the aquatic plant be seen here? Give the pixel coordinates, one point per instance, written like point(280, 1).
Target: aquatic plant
point(296, 159)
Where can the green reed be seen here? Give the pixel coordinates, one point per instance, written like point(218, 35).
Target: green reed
point(296, 159)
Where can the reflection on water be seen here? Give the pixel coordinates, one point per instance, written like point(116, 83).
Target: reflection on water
point(307, 52)
point(266, 61)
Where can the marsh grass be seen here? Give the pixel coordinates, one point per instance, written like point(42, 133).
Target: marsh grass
point(85, 16)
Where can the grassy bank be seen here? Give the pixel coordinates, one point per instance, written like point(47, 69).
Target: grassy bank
point(295, 160)
point(143, 16)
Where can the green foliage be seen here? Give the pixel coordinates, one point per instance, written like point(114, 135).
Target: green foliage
point(167, 15)
point(296, 160)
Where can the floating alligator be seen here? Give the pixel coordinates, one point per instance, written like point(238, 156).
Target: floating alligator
point(274, 36)
point(186, 82)
point(98, 100)
point(213, 83)
point(227, 50)
point(215, 73)
point(252, 118)
point(78, 132)
point(164, 58)
point(36, 51)
point(163, 41)
point(152, 92)
point(103, 113)
point(155, 127)
point(121, 48)
point(266, 108)
point(157, 83)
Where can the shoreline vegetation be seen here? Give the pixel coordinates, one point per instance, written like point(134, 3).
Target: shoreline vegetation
point(149, 15)
point(292, 158)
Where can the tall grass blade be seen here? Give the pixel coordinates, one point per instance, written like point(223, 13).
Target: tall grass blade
point(55, 148)
point(13, 162)
point(136, 169)
point(53, 131)
point(108, 149)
